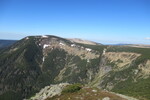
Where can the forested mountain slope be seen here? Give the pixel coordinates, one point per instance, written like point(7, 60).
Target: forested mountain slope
point(37, 61)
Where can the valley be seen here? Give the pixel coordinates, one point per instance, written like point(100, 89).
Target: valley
point(34, 62)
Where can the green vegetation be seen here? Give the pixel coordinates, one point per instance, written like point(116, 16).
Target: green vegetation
point(10, 95)
point(139, 89)
point(72, 88)
point(124, 80)
point(19, 68)
point(23, 71)
point(86, 94)
point(144, 51)
point(98, 48)
point(54, 62)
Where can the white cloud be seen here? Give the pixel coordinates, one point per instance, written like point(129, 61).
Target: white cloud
point(147, 38)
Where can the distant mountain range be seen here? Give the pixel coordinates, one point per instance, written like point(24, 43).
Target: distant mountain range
point(30, 64)
point(6, 43)
point(131, 45)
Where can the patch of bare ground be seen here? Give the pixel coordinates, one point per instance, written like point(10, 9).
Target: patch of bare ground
point(88, 94)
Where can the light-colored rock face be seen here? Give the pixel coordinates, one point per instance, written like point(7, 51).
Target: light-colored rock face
point(145, 69)
point(113, 61)
point(61, 75)
point(121, 59)
point(106, 98)
point(72, 49)
point(49, 91)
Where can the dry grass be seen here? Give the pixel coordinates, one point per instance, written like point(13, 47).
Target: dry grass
point(87, 94)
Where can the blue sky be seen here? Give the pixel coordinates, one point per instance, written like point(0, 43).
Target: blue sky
point(105, 21)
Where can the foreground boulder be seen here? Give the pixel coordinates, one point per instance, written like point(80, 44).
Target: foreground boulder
point(49, 91)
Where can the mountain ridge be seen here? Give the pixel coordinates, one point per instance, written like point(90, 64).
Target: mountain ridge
point(78, 40)
point(37, 61)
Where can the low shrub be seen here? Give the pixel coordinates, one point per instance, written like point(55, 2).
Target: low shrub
point(72, 88)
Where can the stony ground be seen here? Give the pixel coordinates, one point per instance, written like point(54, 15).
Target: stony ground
point(49, 91)
point(55, 92)
point(88, 94)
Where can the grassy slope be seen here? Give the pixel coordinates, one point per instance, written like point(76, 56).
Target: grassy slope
point(31, 79)
point(128, 87)
point(139, 89)
point(86, 94)
point(19, 69)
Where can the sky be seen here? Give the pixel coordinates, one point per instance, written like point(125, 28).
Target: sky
point(103, 21)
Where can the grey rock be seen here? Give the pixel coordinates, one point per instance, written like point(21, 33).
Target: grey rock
point(49, 91)
point(106, 98)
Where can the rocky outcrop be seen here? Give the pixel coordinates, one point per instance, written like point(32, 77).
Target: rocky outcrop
point(38, 61)
point(48, 44)
point(106, 98)
point(49, 91)
point(121, 59)
point(144, 69)
point(112, 61)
